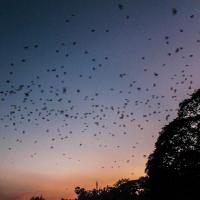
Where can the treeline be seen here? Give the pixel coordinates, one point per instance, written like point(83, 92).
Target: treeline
point(124, 189)
point(173, 169)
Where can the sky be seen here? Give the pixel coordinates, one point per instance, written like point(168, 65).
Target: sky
point(86, 87)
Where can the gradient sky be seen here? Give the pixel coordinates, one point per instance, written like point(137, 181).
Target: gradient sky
point(86, 86)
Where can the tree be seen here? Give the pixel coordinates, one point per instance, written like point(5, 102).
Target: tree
point(37, 198)
point(81, 193)
point(123, 189)
point(173, 168)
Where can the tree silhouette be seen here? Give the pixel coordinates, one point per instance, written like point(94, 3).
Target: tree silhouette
point(122, 189)
point(81, 193)
point(37, 198)
point(173, 168)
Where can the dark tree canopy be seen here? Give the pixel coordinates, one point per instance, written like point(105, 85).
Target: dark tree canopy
point(174, 166)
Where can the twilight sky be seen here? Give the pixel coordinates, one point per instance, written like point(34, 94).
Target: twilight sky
point(86, 86)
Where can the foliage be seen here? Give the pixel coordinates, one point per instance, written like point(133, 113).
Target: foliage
point(123, 189)
point(173, 169)
point(37, 198)
point(174, 166)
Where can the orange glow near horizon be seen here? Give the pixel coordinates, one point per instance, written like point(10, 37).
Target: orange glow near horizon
point(55, 187)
